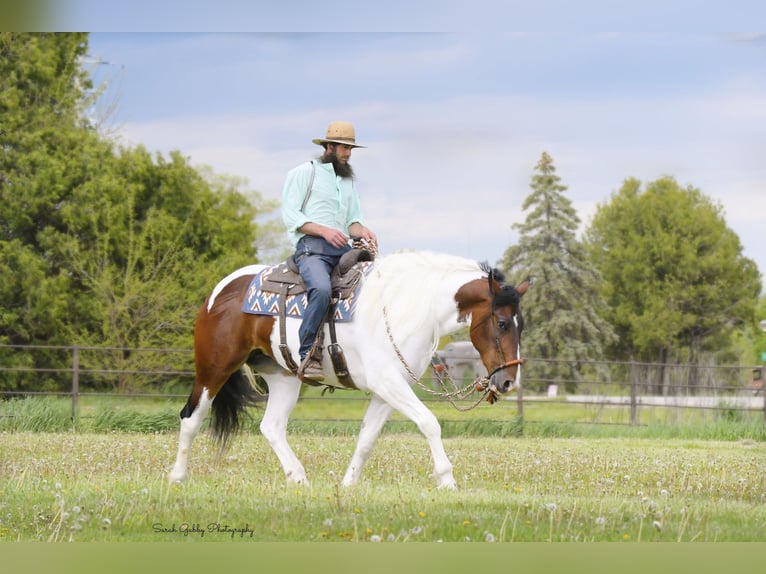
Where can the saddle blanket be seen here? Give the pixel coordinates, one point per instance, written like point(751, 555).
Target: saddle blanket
point(259, 302)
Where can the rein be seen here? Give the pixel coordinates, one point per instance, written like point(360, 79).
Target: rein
point(480, 384)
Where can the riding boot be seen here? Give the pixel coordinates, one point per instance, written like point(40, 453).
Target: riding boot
point(311, 366)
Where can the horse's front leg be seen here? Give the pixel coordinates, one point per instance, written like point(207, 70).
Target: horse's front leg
point(376, 416)
point(395, 391)
point(283, 396)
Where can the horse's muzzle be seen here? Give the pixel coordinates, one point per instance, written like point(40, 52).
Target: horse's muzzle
point(500, 380)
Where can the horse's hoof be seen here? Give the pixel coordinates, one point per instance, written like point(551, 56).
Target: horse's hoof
point(448, 484)
point(297, 479)
point(177, 478)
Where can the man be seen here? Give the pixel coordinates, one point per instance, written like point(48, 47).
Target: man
point(321, 210)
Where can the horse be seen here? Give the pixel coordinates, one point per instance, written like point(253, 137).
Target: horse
point(405, 304)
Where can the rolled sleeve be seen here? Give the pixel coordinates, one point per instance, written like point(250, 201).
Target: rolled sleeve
point(293, 194)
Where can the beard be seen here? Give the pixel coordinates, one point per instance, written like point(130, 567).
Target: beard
point(341, 169)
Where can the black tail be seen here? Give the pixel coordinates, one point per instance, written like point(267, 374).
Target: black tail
point(230, 406)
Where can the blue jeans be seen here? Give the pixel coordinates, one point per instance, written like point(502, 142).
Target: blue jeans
point(315, 259)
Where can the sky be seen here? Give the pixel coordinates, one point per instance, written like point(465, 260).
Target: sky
point(454, 117)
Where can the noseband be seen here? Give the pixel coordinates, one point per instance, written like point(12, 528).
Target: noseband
point(513, 363)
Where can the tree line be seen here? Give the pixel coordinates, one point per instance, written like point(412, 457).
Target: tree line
point(657, 277)
point(109, 245)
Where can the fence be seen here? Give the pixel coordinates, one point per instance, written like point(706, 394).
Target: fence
point(624, 389)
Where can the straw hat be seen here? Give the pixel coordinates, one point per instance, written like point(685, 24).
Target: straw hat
point(339, 132)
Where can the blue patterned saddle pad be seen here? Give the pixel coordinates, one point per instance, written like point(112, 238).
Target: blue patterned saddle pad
point(259, 302)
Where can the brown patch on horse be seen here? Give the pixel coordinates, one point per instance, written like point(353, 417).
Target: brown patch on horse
point(470, 296)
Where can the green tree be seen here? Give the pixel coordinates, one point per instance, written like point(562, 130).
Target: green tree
point(561, 312)
point(100, 245)
point(677, 283)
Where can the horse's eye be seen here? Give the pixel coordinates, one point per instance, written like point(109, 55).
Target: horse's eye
point(502, 324)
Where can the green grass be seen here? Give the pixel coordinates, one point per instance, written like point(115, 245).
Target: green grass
point(62, 486)
point(340, 414)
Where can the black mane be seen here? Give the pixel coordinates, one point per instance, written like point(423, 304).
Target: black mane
point(498, 275)
point(507, 295)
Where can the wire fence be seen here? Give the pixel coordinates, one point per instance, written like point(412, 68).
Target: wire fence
point(603, 391)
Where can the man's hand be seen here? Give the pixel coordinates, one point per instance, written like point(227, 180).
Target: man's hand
point(359, 230)
point(334, 237)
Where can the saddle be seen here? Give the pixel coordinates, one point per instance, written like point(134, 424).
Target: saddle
point(285, 279)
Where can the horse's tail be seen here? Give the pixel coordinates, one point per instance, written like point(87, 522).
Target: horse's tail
point(230, 406)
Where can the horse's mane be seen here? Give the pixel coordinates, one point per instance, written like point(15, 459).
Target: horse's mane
point(409, 284)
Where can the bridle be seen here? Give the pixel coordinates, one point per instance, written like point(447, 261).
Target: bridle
point(498, 346)
point(481, 384)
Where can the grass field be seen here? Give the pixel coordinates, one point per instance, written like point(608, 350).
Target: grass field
point(111, 486)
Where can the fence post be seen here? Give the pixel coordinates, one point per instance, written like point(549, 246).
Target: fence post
point(75, 382)
point(633, 395)
point(763, 393)
point(520, 402)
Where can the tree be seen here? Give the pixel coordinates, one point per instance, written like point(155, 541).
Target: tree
point(561, 312)
point(676, 280)
point(100, 245)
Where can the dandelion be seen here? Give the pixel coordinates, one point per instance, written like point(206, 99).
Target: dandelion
point(327, 522)
point(106, 523)
point(489, 537)
point(422, 514)
point(600, 521)
point(663, 492)
point(76, 509)
point(551, 506)
point(391, 537)
point(657, 525)
point(626, 536)
point(466, 523)
point(375, 538)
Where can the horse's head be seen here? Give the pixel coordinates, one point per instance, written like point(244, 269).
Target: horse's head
point(496, 326)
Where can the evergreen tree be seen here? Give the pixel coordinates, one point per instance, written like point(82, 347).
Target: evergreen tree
point(561, 312)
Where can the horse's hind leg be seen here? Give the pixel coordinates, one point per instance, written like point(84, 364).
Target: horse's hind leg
point(283, 396)
point(376, 416)
point(190, 425)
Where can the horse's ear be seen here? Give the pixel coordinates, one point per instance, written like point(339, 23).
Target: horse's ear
point(495, 279)
point(524, 286)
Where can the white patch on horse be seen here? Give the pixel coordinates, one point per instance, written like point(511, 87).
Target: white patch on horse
point(249, 270)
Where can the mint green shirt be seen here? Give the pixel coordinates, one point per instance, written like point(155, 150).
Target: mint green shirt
point(334, 201)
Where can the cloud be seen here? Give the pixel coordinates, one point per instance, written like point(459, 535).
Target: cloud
point(455, 124)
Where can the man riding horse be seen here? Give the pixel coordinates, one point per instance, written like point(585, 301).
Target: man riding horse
point(321, 210)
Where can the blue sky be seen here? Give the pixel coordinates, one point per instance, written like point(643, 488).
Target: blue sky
point(454, 121)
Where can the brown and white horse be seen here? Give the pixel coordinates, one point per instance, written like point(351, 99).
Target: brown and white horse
point(406, 304)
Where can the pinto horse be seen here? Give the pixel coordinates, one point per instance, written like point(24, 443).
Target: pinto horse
point(406, 303)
